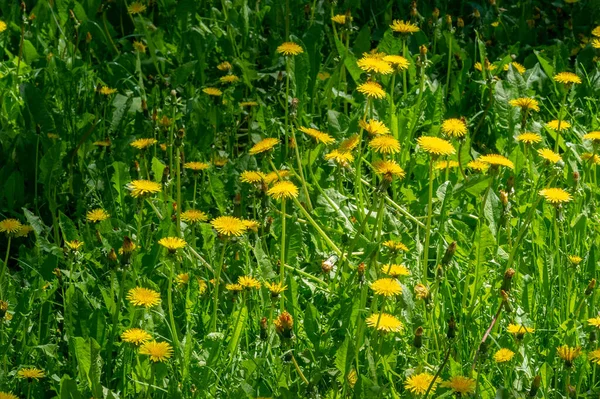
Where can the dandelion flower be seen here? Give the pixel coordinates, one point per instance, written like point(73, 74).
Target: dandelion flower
point(385, 144)
point(264, 145)
point(595, 42)
point(107, 91)
point(385, 322)
point(212, 91)
point(158, 351)
point(140, 296)
point(3, 26)
point(224, 66)
point(520, 68)
point(421, 291)
point(519, 330)
point(249, 104)
point(525, 103)
point(136, 8)
point(142, 188)
point(496, 160)
point(592, 136)
point(102, 143)
point(375, 65)
point(6, 395)
point(283, 190)
point(322, 75)
point(395, 270)
point(97, 215)
point(10, 226)
point(568, 354)
point(555, 195)
point(229, 226)
point(575, 260)
point(142, 144)
point(24, 231)
point(592, 158)
point(478, 166)
point(32, 373)
point(341, 19)
point(435, 145)
point(319, 137)
point(229, 79)
point(374, 127)
point(503, 355)
point(386, 287)
point(289, 48)
point(74, 245)
point(272, 177)
point(251, 225)
point(248, 282)
point(549, 155)
point(460, 385)
point(139, 47)
point(340, 157)
point(389, 169)
point(135, 336)
point(235, 288)
point(558, 125)
point(194, 216)
point(593, 356)
point(372, 90)
point(172, 243)
point(529, 138)
point(454, 127)
point(567, 78)
point(443, 165)
point(196, 166)
point(488, 66)
point(395, 246)
point(405, 28)
point(419, 383)
point(398, 61)
point(275, 289)
point(252, 177)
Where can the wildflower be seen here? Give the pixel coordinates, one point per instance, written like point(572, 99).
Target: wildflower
point(593, 356)
point(421, 291)
point(592, 136)
point(595, 42)
point(97, 215)
point(135, 336)
point(385, 144)
point(136, 8)
point(248, 282)
point(319, 137)
point(224, 66)
point(251, 176)
point(201, 286)
point(549, 155)
point(182, 279)
point(386, 287)
point(419, 383)
point(520, 68)
point(525, 103)
point(284, 323)
point(235, 288)
point(460, 385)
point(107, 91)
point(283, 190)
point(172, 243)
point(139, 47)
point(3, 26)
point(263, 146)
point(289, 48)
point(389, 169)
point(140, 296)
point(32, 373)
point(229, 79)
point(3, 309)
point(6, 395)
point(212, 91)
point(158, 351)
point(374, 127)
point(567, 78)
point(385, 322)
point(196, 166)
point(395, 246)
point(74, 245)
point(404, 28)
point(24, 231)
point(568, 354)
point(496, 160)
point(442, 165)
point(435, 145)
point(478, 166)
point(488, 66)
point(251, 225)
point(143, 188)
point(529, 138)
point(142, 144)
point(352, 378)
point(276, 289)
point(519, 330)
point(340, 157)
point(503, 355)
point(229, 226)
point(194, 216)
point(395, 270)
point(341, 19)
point(10, 226)
point(322, 75)
point(558, 125)
point(372, 90)
point(375, 65)
point(349, 144)
point(555, 195)
point(398, 61)
point(595, 321)
point(575, 260)
point(454, 127)
point(219, 161)
point(272, 177)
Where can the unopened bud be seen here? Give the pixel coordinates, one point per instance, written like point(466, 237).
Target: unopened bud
point(504, 198)
point(88, 37)
point(590, 287)
point(263, 328)
point(451, 328)
point(460, 23)
point(507, 281)
point(112, 256)
point(535, 386)
point(418, 341)
point(449, 253)
point(449, 20)
point(423, 50)
point(435, 13)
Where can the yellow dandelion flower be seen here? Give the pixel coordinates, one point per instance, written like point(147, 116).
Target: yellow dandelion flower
point(229, 79)
point(496, 160)
point(323, 75)
point(341, 19)
point(375, 65)
point(549, 155)
point(398, 61)
point(202, 286)
point(529, 138)
point(289, 48)
point(525, 103)
point(555, 195)
point(172, 243)
point(275, 289)
point(136, 8)
point(319, 137)
point(6, 395)
point(229, 226)
point(435, 145)
point(386, 287)
point(592, 158)
point(421, 291)
point(488, 66)
point(251, 225)
point(454, 127)
point(24, 231)
point(395, 270)
point(272, 177)
point(135, 336)
point(194, 216)
point(31, 373)
point(3, 26)
point(575, 260)
point(594, 356)
point(140, 296)
point(460, 385)
point(503, 355)
point(349, 144)
point(419, 383)
point(142, 188)
point(568, 354)
point(558, 125)
point(519, 330)
point(182, 279)
point(389, 169)
point(443, 165)
point(596, 31)
point(158, 351)
point(374, 127)
point(235, 288)
point(248, 282)
point(395, 246)
point(405, 28)
point(385, 144)
point(252, 177)
point(595, 42)
point(139, 46)
point(219, 161)
point(520, 68)
point(196, 166)
point(10, 226)
point(97, 215)
point(74, 245)
point(142, 144)
point(567, 78)
point(212, 91)
point(340, 157)
point(107, 91)
point(385, 322)
point(372, 90)
point(224, 66)
point(478, 166)
point(264, 145)
point(283, 190)
point(592, 136)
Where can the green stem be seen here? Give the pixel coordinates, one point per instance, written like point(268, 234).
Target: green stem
point(300, 170)
point(179, 204)
point(428, 224)
point(560, 119)
point(174, 337)
point(282, 249)
point(316, 227)
point(213, 322)
point(3, 293)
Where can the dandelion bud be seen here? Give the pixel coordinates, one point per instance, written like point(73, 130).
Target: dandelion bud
point(165, 176)
point(590, 287)
point(155, 115)
point(126, 250)
point(504, 198)
point(460, 23)
point(449, 253)
point(576, 176)
point(112, 256)
point(451, 328)
point(3, 309)
point(507, 281)
point(535, 386)
point(531, 23)
point(414, 12)
point(492, 3)
point(88, 37)
point(423, 50)
point(263, 328)
point(284, 324)
point(360, 271)
point(449, 21)
point(505, 301)
point(418, 341)
point(476, 14)
point(436, 13)
point(422, 292)
point(572, 391)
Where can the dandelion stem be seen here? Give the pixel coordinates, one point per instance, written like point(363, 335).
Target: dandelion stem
point(213, 322)
point(316, 227)
point(3, 293)
point(282, 249)
point(428, 224)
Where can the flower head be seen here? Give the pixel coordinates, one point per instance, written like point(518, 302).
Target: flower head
point(386, 287)
point(289, 48)
point(212, 91)
point(372, 90)
point(419, 383)
point(194, 216)
point(558, 125)
point(520, 68)
point(385, 144)
point(31, 373)
point(252, 176)
point(375, 65)
point(349, 144)
point(460, 385)
point(340, 157)
point(3, 26)
point(398, 61)
point(248, 282)
point(555, 195)
point(575, 260)
point(549, 155)
point(567, 78)
point(172, 243)
point(374, 127)
point(405, 28)
point(284, 324)
point(136, 8)
point(74, 245)
point(272, 177)
point(385, 322)
point(224, 66)
point(140, 47)
point(389, 169)
point(102, 143)
point(478, 166)
point(229, 79)
point(6, 395)
point(107, 91)
point(503, 355)
point(10, 226)
point(264, 145)
point(158, 351)
point(341, 19)
point(525, 103)
point(519, 330)
point(595, 321)
point(435, 145)
point(283, 190)
point(395, 270)
point(182, 279)
point(142, 144)
point(276, 289)
point(496, 160)
point(143, 188)
point(443, 165)
point(395, 246)
point(592, 136)
point(97, 215)
point(196, 166)
point(421, 291)
point(140, 296)
point(593, 356)
point(235, 288)
point(319, 137)
point(454, 127)
point(529, 138)
point(568, 354)
point(251, 224)
point(229, 226)
point(135, 336)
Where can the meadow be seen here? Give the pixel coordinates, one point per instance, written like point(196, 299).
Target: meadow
point(299, 198)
